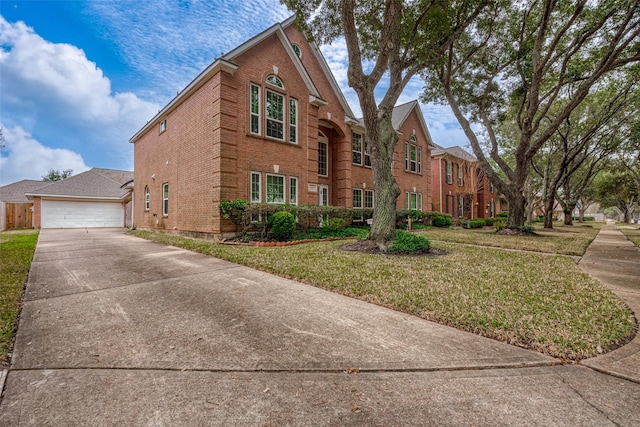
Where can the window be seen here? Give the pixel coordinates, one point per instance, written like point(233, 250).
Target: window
point(273, 80)
point(275, 189)
point(460, 175)
point(165, 199)
point(368, 199)
point(414, 201)
point(357, 198)
point(356, 148)
point(293, 190)
point(460, 207)
point(255, 109)
point(163, 125)
point(293, 121)
point(492, 206)
point(297, 50)
point(323, 163)
point(412, 158)
point(449, 169)
point(256, 189)
point(491, 187)
point(367, 154)
point(147, 198)
point(275, 115)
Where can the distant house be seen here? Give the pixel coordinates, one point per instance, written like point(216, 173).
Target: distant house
point(16, 211)
point(266, 123)
point(95, 198)
point(459, 186)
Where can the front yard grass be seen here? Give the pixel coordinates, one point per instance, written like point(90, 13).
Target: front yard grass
point(541, 302)
point(16, 253)
point(565, 240)
point(633, 234)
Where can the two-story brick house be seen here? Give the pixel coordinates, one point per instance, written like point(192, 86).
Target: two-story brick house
point(265, 122)
point(459, 186)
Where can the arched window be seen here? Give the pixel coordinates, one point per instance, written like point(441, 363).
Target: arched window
point(273, 80)
point(147, 198)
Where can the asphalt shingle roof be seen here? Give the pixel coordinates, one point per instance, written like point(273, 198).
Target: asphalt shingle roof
point(14, 193)
point(99, 183)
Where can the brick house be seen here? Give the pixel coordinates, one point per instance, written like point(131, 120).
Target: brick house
point(459, 187)
point(265, 122)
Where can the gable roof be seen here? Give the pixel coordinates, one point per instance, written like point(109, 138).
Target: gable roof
point(456, 151)
point(225, 63)
point(95, 183)
point(14, 193)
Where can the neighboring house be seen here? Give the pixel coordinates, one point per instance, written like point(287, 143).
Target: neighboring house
point(460, 187)
point(95, 198)
point(266, 123)
point(16, 211)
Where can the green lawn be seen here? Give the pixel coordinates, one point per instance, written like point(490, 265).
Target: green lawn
point(16, 253)
point(542, 302)
point(571, 240)
point(633, 234)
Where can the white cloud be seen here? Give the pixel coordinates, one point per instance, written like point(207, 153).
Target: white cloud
point(53, 89)
point(25, 158)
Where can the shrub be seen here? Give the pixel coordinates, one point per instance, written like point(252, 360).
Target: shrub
point(499, 225)
point(476, 223)
point(503, 214)
point(283, 225)
point(407, 243)
point(442, 221)
point(491, 221)
point(526, 228)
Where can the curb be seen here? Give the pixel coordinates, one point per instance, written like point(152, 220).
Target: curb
point(3, 377)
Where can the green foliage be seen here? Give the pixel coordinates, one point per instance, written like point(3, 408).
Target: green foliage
point(442, 221)
point(55, 175)
point(491, 221)
point(474, 223)
point(503, 214)
point(499, 225)
point(283, 225)
point(526, 229)
point(333, 223)
point(407, 243)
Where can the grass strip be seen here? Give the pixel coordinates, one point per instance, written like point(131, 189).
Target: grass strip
point(16, 253)
point(633, 234)
point(541, 302)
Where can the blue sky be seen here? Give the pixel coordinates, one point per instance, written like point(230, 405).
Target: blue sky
point(79, 78)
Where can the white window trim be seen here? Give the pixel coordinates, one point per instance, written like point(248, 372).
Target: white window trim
point(259, 175)
point(163, 126)
point(267, 118)
point(361, 152)
point(448, 166)
point(251, 113)
point(354, 198)
point(373, 199)
point(147, 198)
point(293, 179)
point(279, 85)
point(326, 163)
point(408, 195)
point(293, 128)
point(460, 175)
point(165, 199)
point(284, 189)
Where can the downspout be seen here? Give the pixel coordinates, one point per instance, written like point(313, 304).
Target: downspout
point(133, 215)
point(440, 177)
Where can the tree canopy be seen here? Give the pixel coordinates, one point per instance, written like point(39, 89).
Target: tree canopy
point(56, 175)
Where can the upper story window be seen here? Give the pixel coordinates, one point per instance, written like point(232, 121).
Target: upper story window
point(356, 148)
point(255, 109)
point(491, 187)
point(273, 80)
point(163, 125)
point(297, 50)
point(449, 169)
point(147, 198)
point(323, 155)
point(367, 154)
point(412, 157)
point(460, 174)
point(293, 120)
point(275, 115)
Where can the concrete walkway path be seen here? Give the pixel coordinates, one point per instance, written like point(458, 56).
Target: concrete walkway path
point(616, 262)
point(116, 330)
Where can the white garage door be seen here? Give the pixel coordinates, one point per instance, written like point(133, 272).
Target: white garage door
point(65, 214)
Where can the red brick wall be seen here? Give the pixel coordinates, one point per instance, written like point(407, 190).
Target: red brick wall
point(37, 212)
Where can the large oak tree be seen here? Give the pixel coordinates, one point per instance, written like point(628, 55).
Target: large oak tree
point(391, 38)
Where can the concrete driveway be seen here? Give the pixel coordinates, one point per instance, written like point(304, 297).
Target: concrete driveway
point(117, 330)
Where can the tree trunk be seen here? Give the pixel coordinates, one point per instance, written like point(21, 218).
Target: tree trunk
point(516, 203)
point(548, 212)
point(386, 187)
point(568, 215)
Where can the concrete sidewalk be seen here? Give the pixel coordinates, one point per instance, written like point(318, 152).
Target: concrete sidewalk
point(615, 261)
point(117, 330)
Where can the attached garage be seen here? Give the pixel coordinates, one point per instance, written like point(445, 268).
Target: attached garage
point(81, 214)
point(91, 199)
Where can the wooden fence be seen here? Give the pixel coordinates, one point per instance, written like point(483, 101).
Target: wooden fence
point(18, 215)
